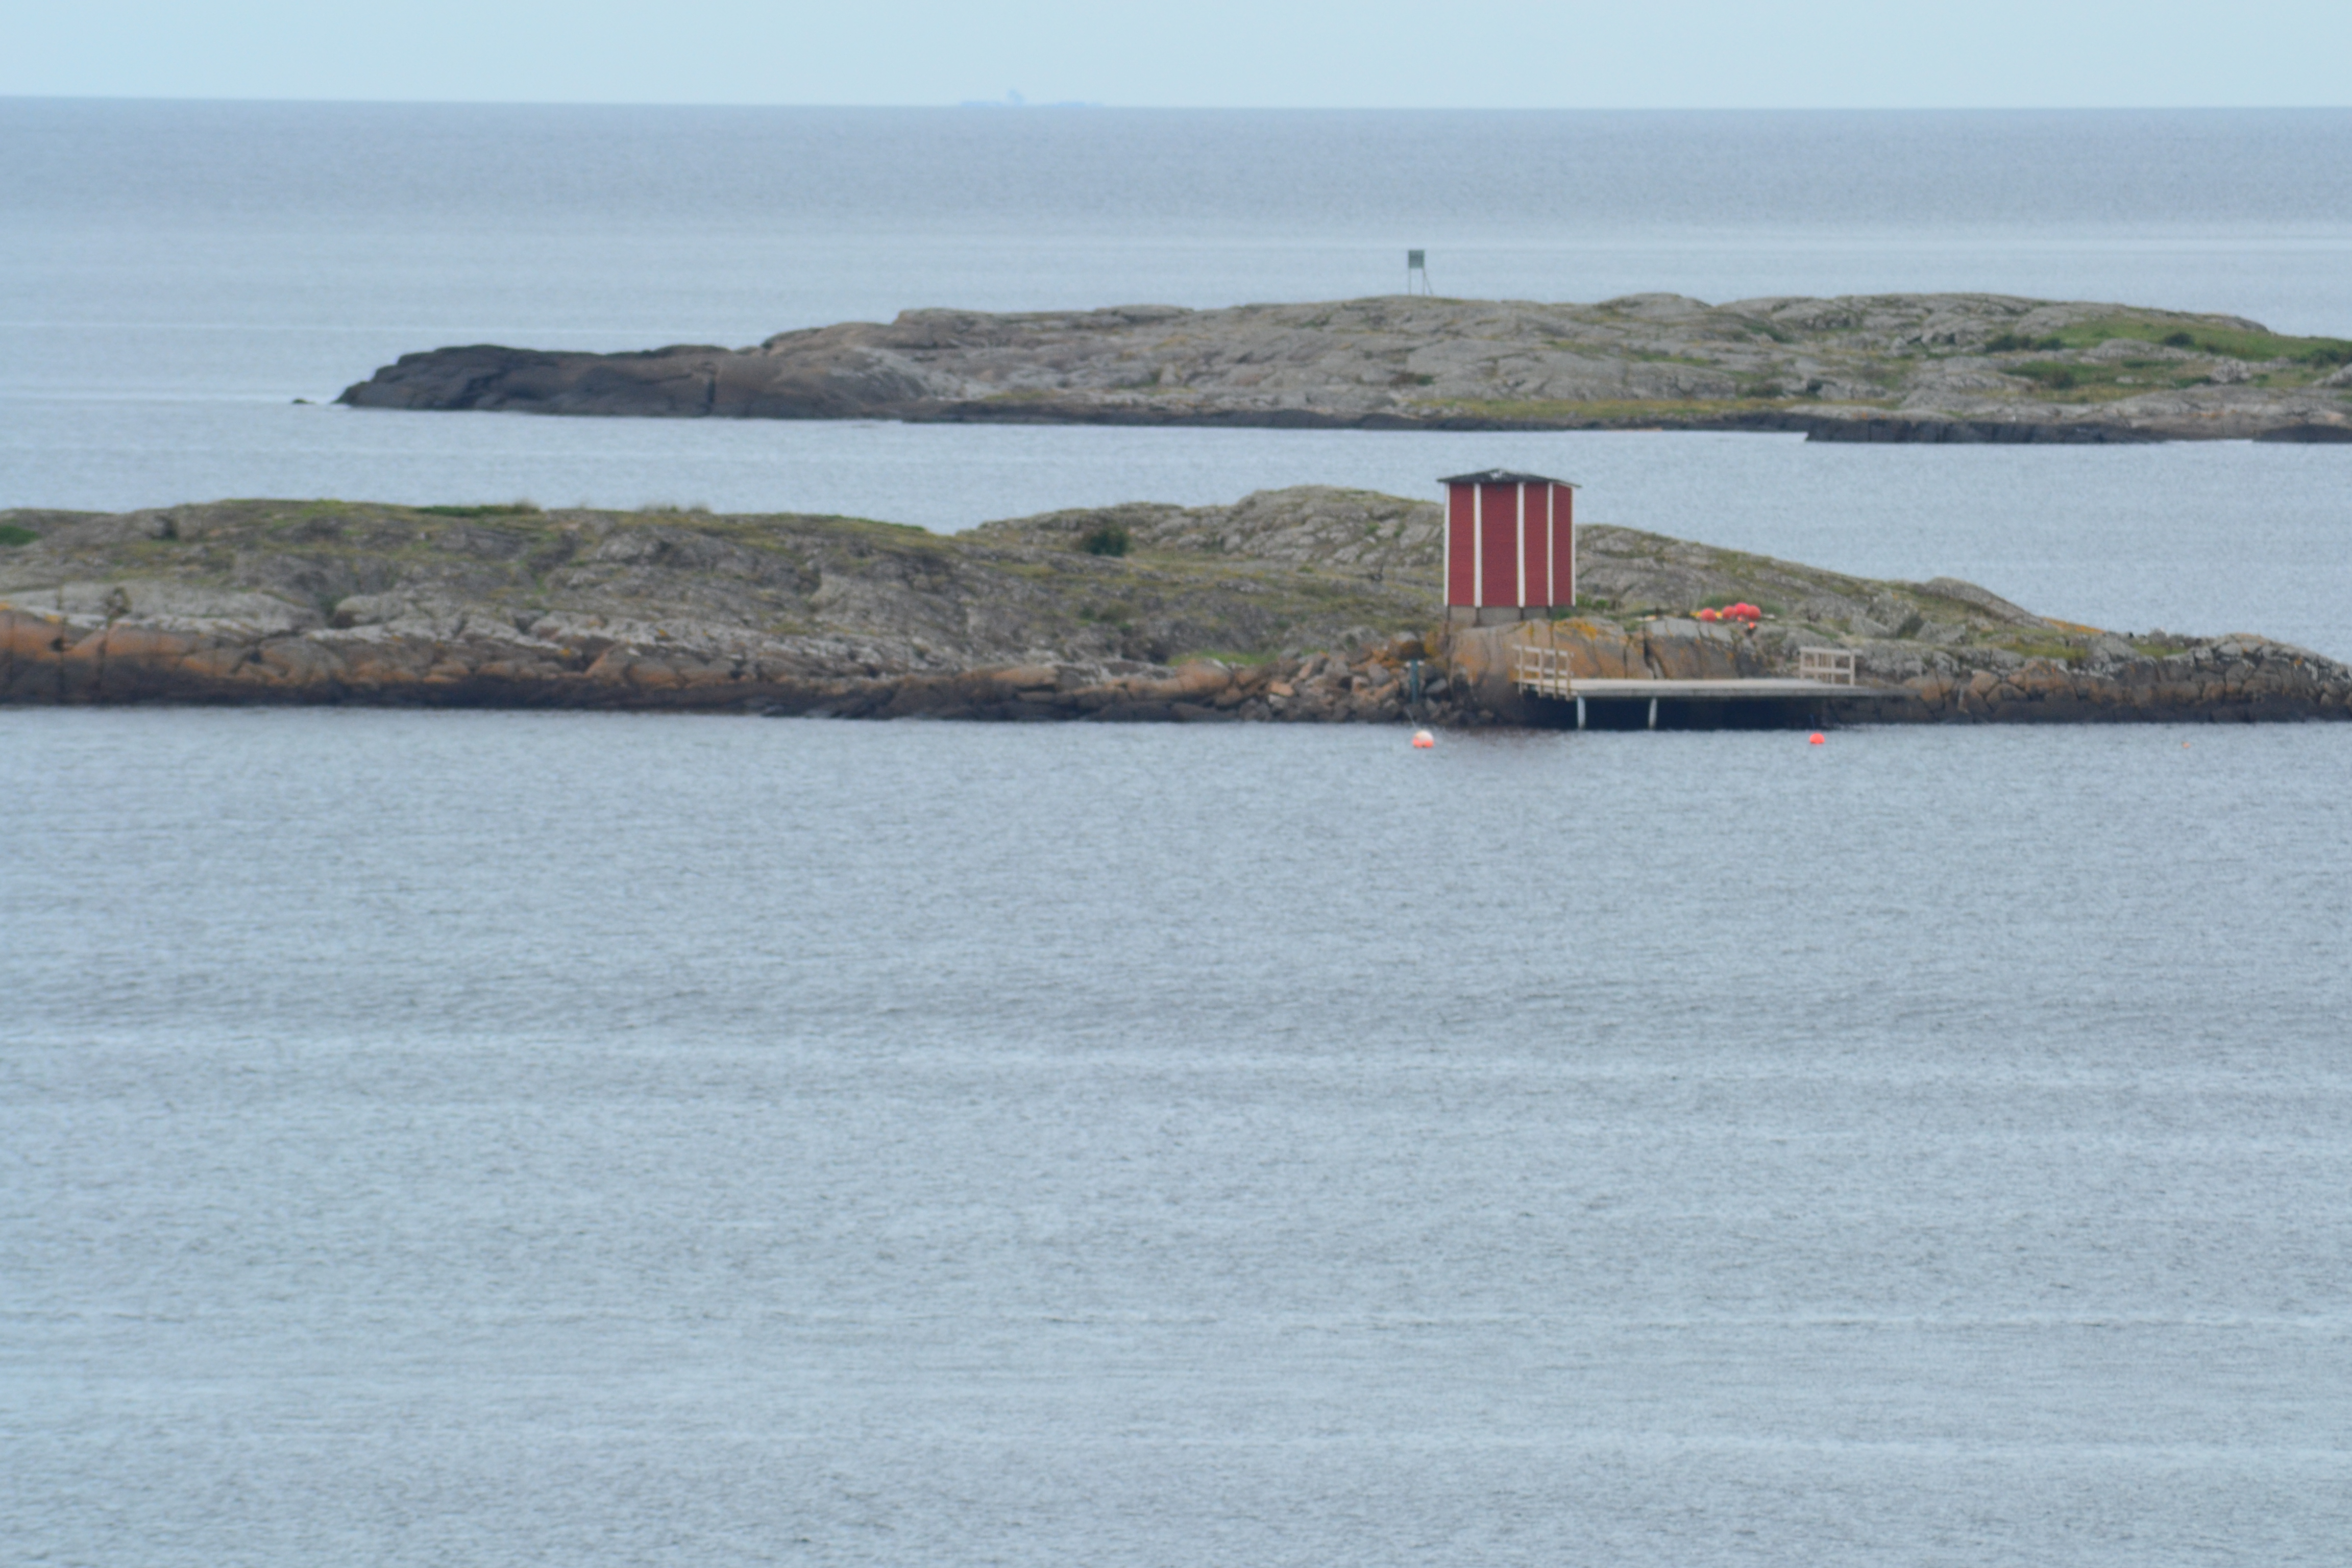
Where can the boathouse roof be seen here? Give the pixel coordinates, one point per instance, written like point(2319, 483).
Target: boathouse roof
point(1505, 477)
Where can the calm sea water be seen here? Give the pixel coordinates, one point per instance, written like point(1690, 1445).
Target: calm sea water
point(522, 1138)
point(503, 1138)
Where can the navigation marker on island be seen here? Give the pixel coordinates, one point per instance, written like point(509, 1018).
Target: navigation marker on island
point(1416, 269)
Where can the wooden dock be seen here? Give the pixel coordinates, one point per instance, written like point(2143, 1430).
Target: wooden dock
point(1541, 671)
point(1732, 690)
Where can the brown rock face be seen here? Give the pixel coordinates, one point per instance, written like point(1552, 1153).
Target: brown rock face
point(1697, 650)
point(1598, 650)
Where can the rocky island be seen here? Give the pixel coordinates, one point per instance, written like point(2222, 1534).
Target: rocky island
point(1308, 603)
point(1893, 367)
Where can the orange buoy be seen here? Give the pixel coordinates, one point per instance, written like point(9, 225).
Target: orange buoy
point(1817, 739)
point(1423, 739)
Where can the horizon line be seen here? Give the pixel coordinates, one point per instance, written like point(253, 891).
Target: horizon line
point(1087, 105)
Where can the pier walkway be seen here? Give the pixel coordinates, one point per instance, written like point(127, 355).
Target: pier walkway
point(1829, 677)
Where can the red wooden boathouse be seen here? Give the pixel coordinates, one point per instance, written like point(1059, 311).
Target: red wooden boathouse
point(1510, 547)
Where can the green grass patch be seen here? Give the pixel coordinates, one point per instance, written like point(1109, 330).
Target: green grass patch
point(873, 525)
point(507, 508)
point(2227, 342)
point(1608, 610)
point(1109, 539)
point(1658, 356)
point(2058, 650)
point(2010, 344)
point(1225, 655)
point(2049, 374)
point(2104, 382)
point(1615, 411)
point(12, 536)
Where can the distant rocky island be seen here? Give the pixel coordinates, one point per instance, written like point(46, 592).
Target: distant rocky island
point(1309, 604)
point(1890, 367)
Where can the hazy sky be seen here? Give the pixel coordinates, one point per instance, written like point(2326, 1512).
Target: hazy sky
point(1363, 53)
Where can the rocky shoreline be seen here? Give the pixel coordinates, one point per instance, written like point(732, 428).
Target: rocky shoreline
point(1301, 606)
point(1880, 368)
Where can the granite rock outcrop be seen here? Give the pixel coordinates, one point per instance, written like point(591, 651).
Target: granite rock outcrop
point(1312, 604)
point(1895, 367)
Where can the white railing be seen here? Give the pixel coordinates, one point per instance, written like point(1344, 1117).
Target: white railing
point(1541, 671)
point(1830, 666)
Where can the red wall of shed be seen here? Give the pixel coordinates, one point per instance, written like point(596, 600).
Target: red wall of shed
point(1500, 520)
point(1563, 536)
point(1536, 564)
point(1459, 499)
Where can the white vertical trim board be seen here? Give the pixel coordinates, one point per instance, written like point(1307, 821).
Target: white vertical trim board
point(1552, 546)
point(1570, 491)
point(1478, 545)
point(1519, 545)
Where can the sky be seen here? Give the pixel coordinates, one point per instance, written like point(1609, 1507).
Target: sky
point(1519, 54)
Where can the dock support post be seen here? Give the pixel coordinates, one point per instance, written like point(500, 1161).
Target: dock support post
point(1654, 712)
point(1580, 712)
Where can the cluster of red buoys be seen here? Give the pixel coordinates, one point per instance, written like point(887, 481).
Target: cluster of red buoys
point(1742, 611)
